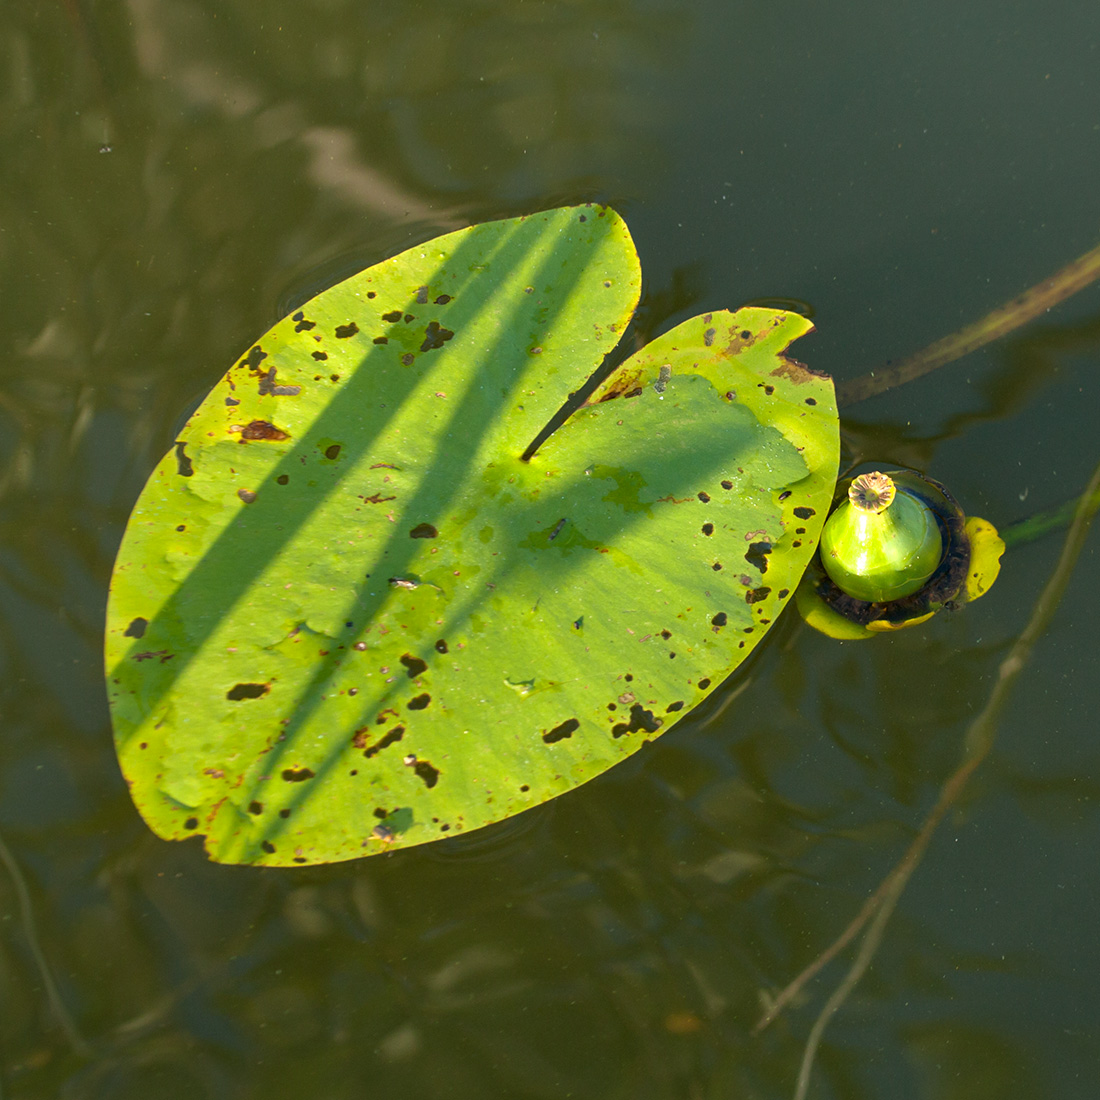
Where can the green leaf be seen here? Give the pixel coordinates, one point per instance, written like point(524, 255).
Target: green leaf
point(347, 614)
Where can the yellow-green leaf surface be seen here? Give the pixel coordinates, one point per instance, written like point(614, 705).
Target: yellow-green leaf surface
point(348, 615)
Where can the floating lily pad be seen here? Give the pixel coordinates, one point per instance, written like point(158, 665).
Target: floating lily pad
point(348, 615)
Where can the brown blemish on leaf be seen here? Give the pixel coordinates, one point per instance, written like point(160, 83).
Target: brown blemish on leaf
point(622, 383)
point(377, 498)
point(262, 429)
point(804, 512)
point(255, 808)
point(423, 531)
point(247, 495)
point(344, 331)
point(797, 372)
point(755, 595)
point(393, 315)
point(419, 702)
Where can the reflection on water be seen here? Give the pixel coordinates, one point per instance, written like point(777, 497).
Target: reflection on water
point(174, 169)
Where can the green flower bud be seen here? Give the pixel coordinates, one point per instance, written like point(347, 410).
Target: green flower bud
point(882, 543)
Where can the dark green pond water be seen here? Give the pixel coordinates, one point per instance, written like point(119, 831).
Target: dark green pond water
point(175, 172)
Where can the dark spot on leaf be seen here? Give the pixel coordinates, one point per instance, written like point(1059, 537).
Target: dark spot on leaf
point(784, 593)
point(561, 732)
point(332, 451)
point(719, 619)
point(757, 555)
point(232, 401)
point(810, 401)
point(297, 775)
point(755, 595)
point(181, 527)
point(640, 719)
point(421, 295)
point(254, 358)
point(377, 498)
point(666, 634)
point(390, 737)
point(745, 334)
point(583, 218)
point(441, 646)
point(255, 808)
point(671, 656)
point(704, 683)
point(804, 513)
point(262, 429)
point(247, 691)
point(783, 495)
point(408, 359)
point(414, 665)
point(268, 847)
point(524, 789)
point(800, 530)
point(282, 479)
point(704, 497)
point(371, 294)
point(136, 629)
point(727, 484)
point(191, 823)
point(284, 812)
point(442, 300)
point(419, 702)
point(334, 378)
point(303, 325)
point(672, 707)
point(716, 566)
point(393, 315)
point(426, 772)
point(708, 337)
point(183, 463)
point(344, 331)
point(634, 393)
point(435, 336)
point(247, 495)
point(381, 340)
point(409, 317)
point(423, 531)
point(708, 529)
point(269, 389)
point(320, 355)
point(769, 390)
point(628, 677)
point(380, 813)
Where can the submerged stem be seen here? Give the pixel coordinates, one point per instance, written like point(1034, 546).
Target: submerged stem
point(1000, 322)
